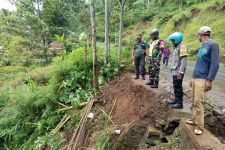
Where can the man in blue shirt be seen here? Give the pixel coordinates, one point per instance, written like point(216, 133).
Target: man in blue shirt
point(205, 72)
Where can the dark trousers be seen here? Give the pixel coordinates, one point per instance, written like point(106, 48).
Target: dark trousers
point(178, 89)
point(139, 63)
point(154, 69)
point(165, 61)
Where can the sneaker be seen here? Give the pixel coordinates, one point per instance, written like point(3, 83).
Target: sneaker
point(177, 106)
point(136, 77)
point(173, 101)
point(149, 83)
point(198, 131)
point(154, 86)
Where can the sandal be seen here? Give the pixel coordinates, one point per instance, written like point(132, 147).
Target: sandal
point(198, 131)
point(190, 122)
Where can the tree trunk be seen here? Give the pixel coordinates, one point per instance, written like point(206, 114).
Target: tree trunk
point(93, 26)
point(122, 4)
point(115, 40)
point(85, 50)
point(38, 4)
point(181, 4)
point(109, 46)
point(106, 32)
point(148, 3)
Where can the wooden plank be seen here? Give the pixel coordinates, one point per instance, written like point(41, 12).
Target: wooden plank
point(80, 134)
point(206, 141)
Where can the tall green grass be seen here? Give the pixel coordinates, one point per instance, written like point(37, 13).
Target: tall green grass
point(188, 20)
point(29, 103)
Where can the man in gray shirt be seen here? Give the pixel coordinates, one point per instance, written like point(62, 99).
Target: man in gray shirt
point(178, 68)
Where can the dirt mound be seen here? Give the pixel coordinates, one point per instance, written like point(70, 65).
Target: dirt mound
point(131, 101)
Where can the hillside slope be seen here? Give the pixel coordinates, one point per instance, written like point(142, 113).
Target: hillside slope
point(188, 21)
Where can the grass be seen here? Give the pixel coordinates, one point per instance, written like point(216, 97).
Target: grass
point(188, 21)
point(28, 100)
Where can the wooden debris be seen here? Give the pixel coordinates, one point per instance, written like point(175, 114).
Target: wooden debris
point(61, 123)
point(113, 107)
point(83, 104)
point(65, 108)
point(79, 133)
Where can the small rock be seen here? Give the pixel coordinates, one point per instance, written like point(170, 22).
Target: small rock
point(117, 131)
point(223, 111)
point(212, 121)
point(218, 112)
point(171, 126)
point(168, 89)
point(90, 115)
point(222, 119)
point(154, 131)
point(162, 122)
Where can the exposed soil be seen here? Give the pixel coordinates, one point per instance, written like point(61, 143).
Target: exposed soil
point(129, 103)
point(133, 101)
point(125, 101)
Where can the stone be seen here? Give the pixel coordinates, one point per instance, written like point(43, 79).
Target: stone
point(160, 147)
point(162, 122)
point(222, 119)
point(218, 112)
point(223, 111)
point(132, 136)
point(171, 126)
point(154, 131)
point(211, 121)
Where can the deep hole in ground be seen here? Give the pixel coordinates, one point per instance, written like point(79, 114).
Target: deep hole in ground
point(140, 113)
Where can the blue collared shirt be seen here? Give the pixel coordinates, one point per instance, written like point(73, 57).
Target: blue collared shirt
point(207, 63)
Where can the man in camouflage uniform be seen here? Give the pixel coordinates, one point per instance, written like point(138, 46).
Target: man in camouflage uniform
point(139, 53)
point(155, 54)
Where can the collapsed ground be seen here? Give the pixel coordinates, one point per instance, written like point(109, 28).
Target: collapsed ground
point(130, 107)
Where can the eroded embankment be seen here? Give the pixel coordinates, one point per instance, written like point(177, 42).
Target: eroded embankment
point(132, 101)
point(139, 113)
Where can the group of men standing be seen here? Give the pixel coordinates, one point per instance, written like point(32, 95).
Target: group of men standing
point(142, 52)
point(206, 68)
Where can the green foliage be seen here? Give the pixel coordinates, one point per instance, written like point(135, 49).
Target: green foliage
point(174, 142)
point(170, 17)
point(108, 71)
point(8, 72)
point(102, 136)
point(59, 38)
point(102, 139)
point(27, 32)
point(29, 96)
point(28, 110)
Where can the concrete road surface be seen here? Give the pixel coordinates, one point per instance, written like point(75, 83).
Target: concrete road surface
point(218, 91)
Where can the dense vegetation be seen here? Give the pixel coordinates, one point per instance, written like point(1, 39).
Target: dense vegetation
point(187, 19)
point(36, 83)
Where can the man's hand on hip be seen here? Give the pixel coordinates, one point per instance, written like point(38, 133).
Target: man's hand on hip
point(208, 85)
